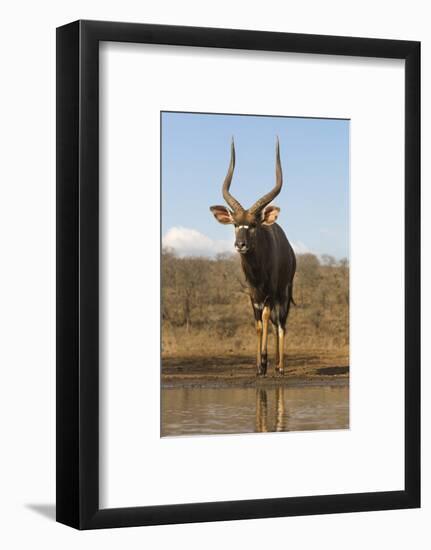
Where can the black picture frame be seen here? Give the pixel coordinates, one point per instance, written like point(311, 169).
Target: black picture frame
point(78, 274)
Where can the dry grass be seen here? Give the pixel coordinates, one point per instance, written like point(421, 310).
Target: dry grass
point(206, 310)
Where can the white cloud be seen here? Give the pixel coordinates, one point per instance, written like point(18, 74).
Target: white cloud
point(300, 248)
point(189, 242)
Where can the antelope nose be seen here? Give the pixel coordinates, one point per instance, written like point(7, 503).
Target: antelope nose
point(240, 246)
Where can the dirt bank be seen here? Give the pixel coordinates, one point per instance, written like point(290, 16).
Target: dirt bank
point(240, 371)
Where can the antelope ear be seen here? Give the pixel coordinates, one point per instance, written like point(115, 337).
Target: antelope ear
point(221, 214)
point(270, 214)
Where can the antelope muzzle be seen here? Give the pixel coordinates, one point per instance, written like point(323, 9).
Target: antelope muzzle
point(242, 241)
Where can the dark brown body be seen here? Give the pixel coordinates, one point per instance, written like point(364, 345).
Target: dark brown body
point(269, 269)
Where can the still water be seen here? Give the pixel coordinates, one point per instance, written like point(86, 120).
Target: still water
point(189, 411)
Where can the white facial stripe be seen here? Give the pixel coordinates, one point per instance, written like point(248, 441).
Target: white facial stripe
point(243, 226)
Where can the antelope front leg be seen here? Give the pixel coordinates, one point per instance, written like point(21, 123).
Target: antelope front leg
point(259, 346)
point(265, 319)
point(277, 349)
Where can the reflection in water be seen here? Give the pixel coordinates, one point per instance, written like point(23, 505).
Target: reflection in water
point(262, 411)
point(188, 411)
point(279, 417)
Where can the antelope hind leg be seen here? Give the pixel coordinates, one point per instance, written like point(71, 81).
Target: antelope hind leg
point(281, 330)
point(281, 334)
point(265, 320)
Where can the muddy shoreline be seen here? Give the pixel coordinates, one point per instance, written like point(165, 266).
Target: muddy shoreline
point(199, 371)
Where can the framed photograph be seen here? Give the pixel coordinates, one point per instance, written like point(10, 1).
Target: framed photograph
point(238, 274)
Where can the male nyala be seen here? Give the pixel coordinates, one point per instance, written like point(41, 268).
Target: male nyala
point(267, 260)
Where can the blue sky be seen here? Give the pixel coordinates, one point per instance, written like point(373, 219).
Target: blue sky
point(314, 200)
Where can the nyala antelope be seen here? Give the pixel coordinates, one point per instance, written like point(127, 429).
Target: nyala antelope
point(267, 260)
